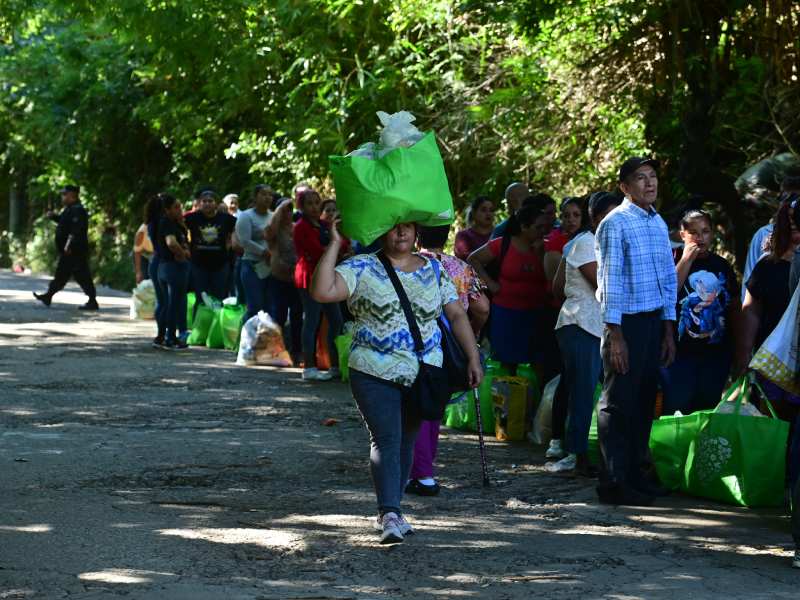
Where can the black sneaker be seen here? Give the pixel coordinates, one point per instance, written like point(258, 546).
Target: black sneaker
point(623, 495)
point(180, 344)
point(43, 298)
point(420, 489)
point(652, 489)
point(90, 305)
point(158, 342)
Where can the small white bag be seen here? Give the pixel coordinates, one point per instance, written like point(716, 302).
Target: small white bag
point(143, 301)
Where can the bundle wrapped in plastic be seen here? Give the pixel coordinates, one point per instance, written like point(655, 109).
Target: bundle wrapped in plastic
point(747, 409)
point(401, 179)
point(143, 301)
point(398, 132)
point(262, 343)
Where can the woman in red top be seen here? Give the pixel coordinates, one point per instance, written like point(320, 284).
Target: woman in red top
point(310, 241)
point(519, 293)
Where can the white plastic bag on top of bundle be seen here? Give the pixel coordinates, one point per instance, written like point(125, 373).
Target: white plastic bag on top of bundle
point(398, 132)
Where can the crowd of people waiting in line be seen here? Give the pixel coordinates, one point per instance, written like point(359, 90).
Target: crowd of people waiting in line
point(590, 289)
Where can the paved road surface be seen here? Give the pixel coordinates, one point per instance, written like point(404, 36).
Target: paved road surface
point(136, 473)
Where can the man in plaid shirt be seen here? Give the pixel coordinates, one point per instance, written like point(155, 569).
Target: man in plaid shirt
point(637, 290)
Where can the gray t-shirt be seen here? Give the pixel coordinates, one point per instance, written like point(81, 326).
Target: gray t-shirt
point(250, 226)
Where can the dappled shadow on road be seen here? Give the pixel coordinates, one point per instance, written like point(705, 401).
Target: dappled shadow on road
point(191, 468)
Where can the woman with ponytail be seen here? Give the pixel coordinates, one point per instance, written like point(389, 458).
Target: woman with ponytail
point(173, 271)
point(519, 291)
point(152, 215)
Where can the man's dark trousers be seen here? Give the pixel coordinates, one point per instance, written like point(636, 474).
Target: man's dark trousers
point(73, 265)
point(626, 407)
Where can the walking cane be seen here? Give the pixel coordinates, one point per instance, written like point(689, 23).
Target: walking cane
point(486, 482)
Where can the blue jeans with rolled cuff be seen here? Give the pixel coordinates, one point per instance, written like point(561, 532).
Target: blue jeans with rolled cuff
point(393, 429)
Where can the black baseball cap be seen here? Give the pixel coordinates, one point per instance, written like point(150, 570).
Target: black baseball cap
point(70, 188)
point(206, 193)
point(633, 163)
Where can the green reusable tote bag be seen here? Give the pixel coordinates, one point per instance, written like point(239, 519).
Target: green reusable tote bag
point(670, 438)
point(230, 320)
point(461, 413)
point(343, 343)
point(190, 301)
point(406, 185)
point(739, 459)
point(215, 337)
point(201, 326)
point(594, 444)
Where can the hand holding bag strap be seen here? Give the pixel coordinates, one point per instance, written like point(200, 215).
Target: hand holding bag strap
point(413, 327)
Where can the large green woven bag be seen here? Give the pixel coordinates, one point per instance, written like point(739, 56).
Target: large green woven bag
point(407, 185)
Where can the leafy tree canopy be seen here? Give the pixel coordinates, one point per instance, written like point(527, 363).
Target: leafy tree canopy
point(135, 96)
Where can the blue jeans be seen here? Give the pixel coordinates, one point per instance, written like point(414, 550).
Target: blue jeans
point(695, 381)
point(174, 278)
point(580, 352)
point(236, 286)
point(161, 296)
point(214, 283)
point(312, 315)
point(392, 433)
point(284, 301)
point(255, 290)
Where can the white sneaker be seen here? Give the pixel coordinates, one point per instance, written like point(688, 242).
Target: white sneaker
point(555, 450)
point(391, 532)
point(565, 464)
point(796, 560)
point(314, 374)
point(405, 526)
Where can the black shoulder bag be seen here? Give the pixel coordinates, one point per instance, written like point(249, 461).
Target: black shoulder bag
point(455, 360)
point(431, 389)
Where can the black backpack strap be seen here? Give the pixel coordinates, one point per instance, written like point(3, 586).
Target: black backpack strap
point(413, 327)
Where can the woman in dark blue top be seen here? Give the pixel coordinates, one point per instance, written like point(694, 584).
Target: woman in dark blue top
point(152, 215)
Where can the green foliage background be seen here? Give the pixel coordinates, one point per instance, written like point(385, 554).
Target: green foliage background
point(134, 96)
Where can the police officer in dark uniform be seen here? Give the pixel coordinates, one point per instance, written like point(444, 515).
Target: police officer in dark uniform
point(72, 243)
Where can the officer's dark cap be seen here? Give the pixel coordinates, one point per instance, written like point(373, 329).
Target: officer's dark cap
point(70, 188)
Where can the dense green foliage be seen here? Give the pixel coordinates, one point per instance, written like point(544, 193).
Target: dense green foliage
point(135, 96)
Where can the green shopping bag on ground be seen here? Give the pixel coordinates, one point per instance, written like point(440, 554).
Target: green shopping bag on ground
point(736, 458)
point(407, 185)
point(190, 302)
point(528, 372)
point(201, 326)
point(460, 414)
point(670, 439)
point(230, 320)
point(343, 343)
point(215, 338)
point(593, 451)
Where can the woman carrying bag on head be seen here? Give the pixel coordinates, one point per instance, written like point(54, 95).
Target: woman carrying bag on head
point(384, 363)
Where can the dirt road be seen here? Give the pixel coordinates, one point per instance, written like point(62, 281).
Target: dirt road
point(132, 472)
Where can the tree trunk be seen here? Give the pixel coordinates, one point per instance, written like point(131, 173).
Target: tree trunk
point(16, 208)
